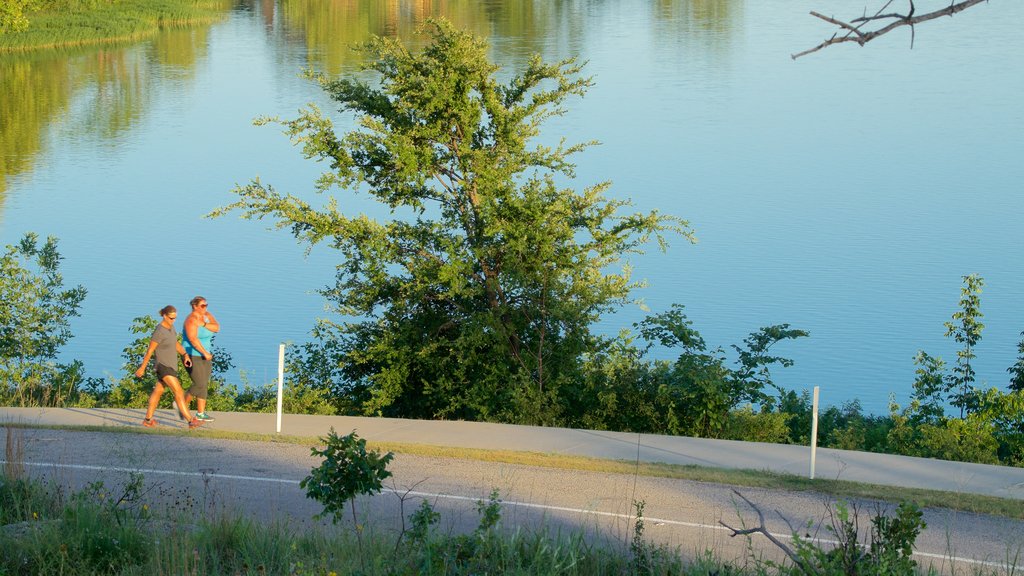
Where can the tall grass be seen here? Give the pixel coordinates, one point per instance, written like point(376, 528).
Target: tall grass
point(70, 23)
point(90, 532)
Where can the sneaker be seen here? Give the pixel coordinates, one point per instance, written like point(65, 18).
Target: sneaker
point(195, 423)
point(203, 416)
point(149, 422)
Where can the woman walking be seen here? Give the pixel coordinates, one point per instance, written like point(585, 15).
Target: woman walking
point(164, 343)
point(198, 332)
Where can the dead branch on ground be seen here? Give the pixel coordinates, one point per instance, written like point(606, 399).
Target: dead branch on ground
point(762, 529)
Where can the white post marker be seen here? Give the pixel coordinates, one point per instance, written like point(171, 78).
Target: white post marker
point(814, 431)
point(280, 384)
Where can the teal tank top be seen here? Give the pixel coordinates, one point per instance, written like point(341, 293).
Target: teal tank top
point(205, 338)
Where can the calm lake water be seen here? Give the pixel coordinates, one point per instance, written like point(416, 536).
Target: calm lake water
point(845, 193)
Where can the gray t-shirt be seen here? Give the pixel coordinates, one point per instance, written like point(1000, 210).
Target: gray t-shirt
point(166, 346)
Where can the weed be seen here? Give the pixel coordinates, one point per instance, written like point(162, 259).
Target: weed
point(14, 453)
point(638, 547)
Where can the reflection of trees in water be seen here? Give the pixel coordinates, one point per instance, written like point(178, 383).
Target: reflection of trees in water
point(707, 24)
point(118, 85)
point(329, 29)
point(710, 15)
point(99, 92)
point(33, 91)
point(686, 31)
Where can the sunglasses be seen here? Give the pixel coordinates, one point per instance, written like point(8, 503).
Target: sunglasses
point(202, 305)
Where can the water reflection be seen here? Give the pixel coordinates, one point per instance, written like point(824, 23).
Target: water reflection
point(102, 93)
point(95, 94)
point(329, 29)
point(717, 15)
point(33, 91)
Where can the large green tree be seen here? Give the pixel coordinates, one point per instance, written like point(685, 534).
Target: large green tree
point(35, 310)
point(477, 297)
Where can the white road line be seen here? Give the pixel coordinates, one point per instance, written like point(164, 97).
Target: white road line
point(509, 503)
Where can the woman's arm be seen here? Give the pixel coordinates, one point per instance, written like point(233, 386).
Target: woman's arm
point(187, 360)
point(211, 323)
point(145, 359)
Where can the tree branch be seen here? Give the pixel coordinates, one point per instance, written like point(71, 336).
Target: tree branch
point(764, 530)
point(855, 33)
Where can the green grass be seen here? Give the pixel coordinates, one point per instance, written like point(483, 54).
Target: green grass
point(1010, 508)
point(116, 23)
point(92, 532)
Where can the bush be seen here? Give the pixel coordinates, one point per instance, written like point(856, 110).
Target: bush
point(35, 311)
point(745, 424)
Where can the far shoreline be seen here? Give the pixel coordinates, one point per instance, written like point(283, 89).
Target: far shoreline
point(115, 24)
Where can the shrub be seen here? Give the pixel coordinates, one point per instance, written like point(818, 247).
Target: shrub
point(745, 424)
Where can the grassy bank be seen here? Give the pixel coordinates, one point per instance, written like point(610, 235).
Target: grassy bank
point(114, 23)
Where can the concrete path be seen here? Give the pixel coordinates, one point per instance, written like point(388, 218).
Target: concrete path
point(882, 469)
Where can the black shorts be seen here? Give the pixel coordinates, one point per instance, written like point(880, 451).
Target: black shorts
point(162, 371)
point(199, 372)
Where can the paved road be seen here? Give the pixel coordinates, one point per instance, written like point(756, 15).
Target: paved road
point(196, 473)
point(885, 469)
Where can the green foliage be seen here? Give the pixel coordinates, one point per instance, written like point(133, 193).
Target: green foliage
point(92, 532)
point(755, 361)
point(704, 389)
point(490, 513)
point(616, 392)
point(745, 424)
point(476, 299)
point(35, 310)
point(970, 439)
point(422, 520)
point(126, 507)
point(990, 428)
point(313, 384)
point(1004, 412)
point(934, 389)
point(347, 471)
point(888, 550)
point(14, 14)
point(297, 398)
point(638, 547)
point(845, 427)
point(966, 330)
point(24, 500)
point(1017, 370)
point(929, 389)
point(36, 24)
point(697, 394)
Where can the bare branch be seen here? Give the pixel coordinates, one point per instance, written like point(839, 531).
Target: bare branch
point(762, 529)
point(854, 28)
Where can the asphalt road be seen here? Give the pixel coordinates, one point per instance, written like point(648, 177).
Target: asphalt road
point(197, 475)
